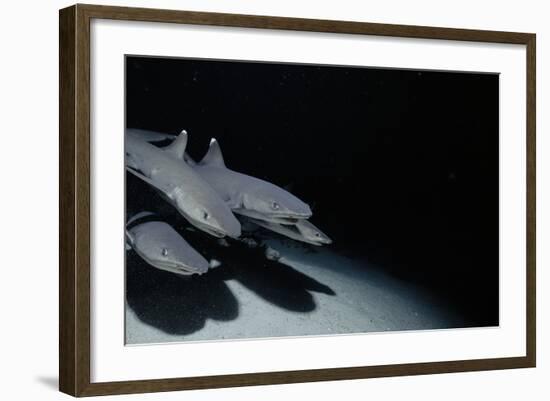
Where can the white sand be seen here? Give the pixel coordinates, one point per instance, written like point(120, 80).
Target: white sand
point(364, 300)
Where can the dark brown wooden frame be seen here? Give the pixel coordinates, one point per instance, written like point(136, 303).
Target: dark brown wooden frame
point(74, 199)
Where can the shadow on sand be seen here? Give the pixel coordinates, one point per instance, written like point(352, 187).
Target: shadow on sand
point(176, 304)
point(180, 305)
point(275, 282)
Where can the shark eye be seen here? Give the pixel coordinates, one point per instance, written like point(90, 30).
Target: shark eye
point(164, 252)
point(275, 206)
point(317, 234)
point(205, 215)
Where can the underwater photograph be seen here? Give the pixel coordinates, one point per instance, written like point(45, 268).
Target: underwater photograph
point(270, 200)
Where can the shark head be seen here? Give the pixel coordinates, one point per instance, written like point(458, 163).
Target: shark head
point(262, 199)
point(199, 203)
point(162, 247)
point(312, 234)
point(212, 216)
point(274, 203)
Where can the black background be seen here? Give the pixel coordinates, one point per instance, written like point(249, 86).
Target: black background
point(399, 166)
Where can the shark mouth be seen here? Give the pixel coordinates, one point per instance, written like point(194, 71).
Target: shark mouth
point(284, 219)
point(214, 231)
point(177, 268)
point(280, 218)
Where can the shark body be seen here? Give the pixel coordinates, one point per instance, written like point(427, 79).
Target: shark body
point(162, 247)
point(180, 184)
point(250, 196)
point(303, 231)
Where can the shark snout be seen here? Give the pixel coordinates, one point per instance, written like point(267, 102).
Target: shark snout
point(229, 226)
point(304, 209)
point(191, 267)
point(306, 213)
point(297, 209)
point(303, 212)
point(233, 227)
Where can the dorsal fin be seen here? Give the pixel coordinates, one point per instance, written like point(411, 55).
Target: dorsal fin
point(177, 148)
point(214, 155)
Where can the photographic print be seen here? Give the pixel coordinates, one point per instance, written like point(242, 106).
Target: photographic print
point(300, 200)
point(267, 200)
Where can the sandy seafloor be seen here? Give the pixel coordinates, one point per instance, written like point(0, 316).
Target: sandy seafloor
point(336, 295)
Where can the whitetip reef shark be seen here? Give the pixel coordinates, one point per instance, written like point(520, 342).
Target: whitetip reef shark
point(302, 230)
point(180, 184)
point(162, 247)
point(247, 195)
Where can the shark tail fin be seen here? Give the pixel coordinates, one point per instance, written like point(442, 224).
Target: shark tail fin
point(129, 241)
point(138, 216)
point(214, 155)
point(177, 148)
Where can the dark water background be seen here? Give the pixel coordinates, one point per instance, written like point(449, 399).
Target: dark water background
point(400, 166)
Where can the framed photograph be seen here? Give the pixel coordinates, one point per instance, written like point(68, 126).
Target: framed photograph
point(251, 200)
